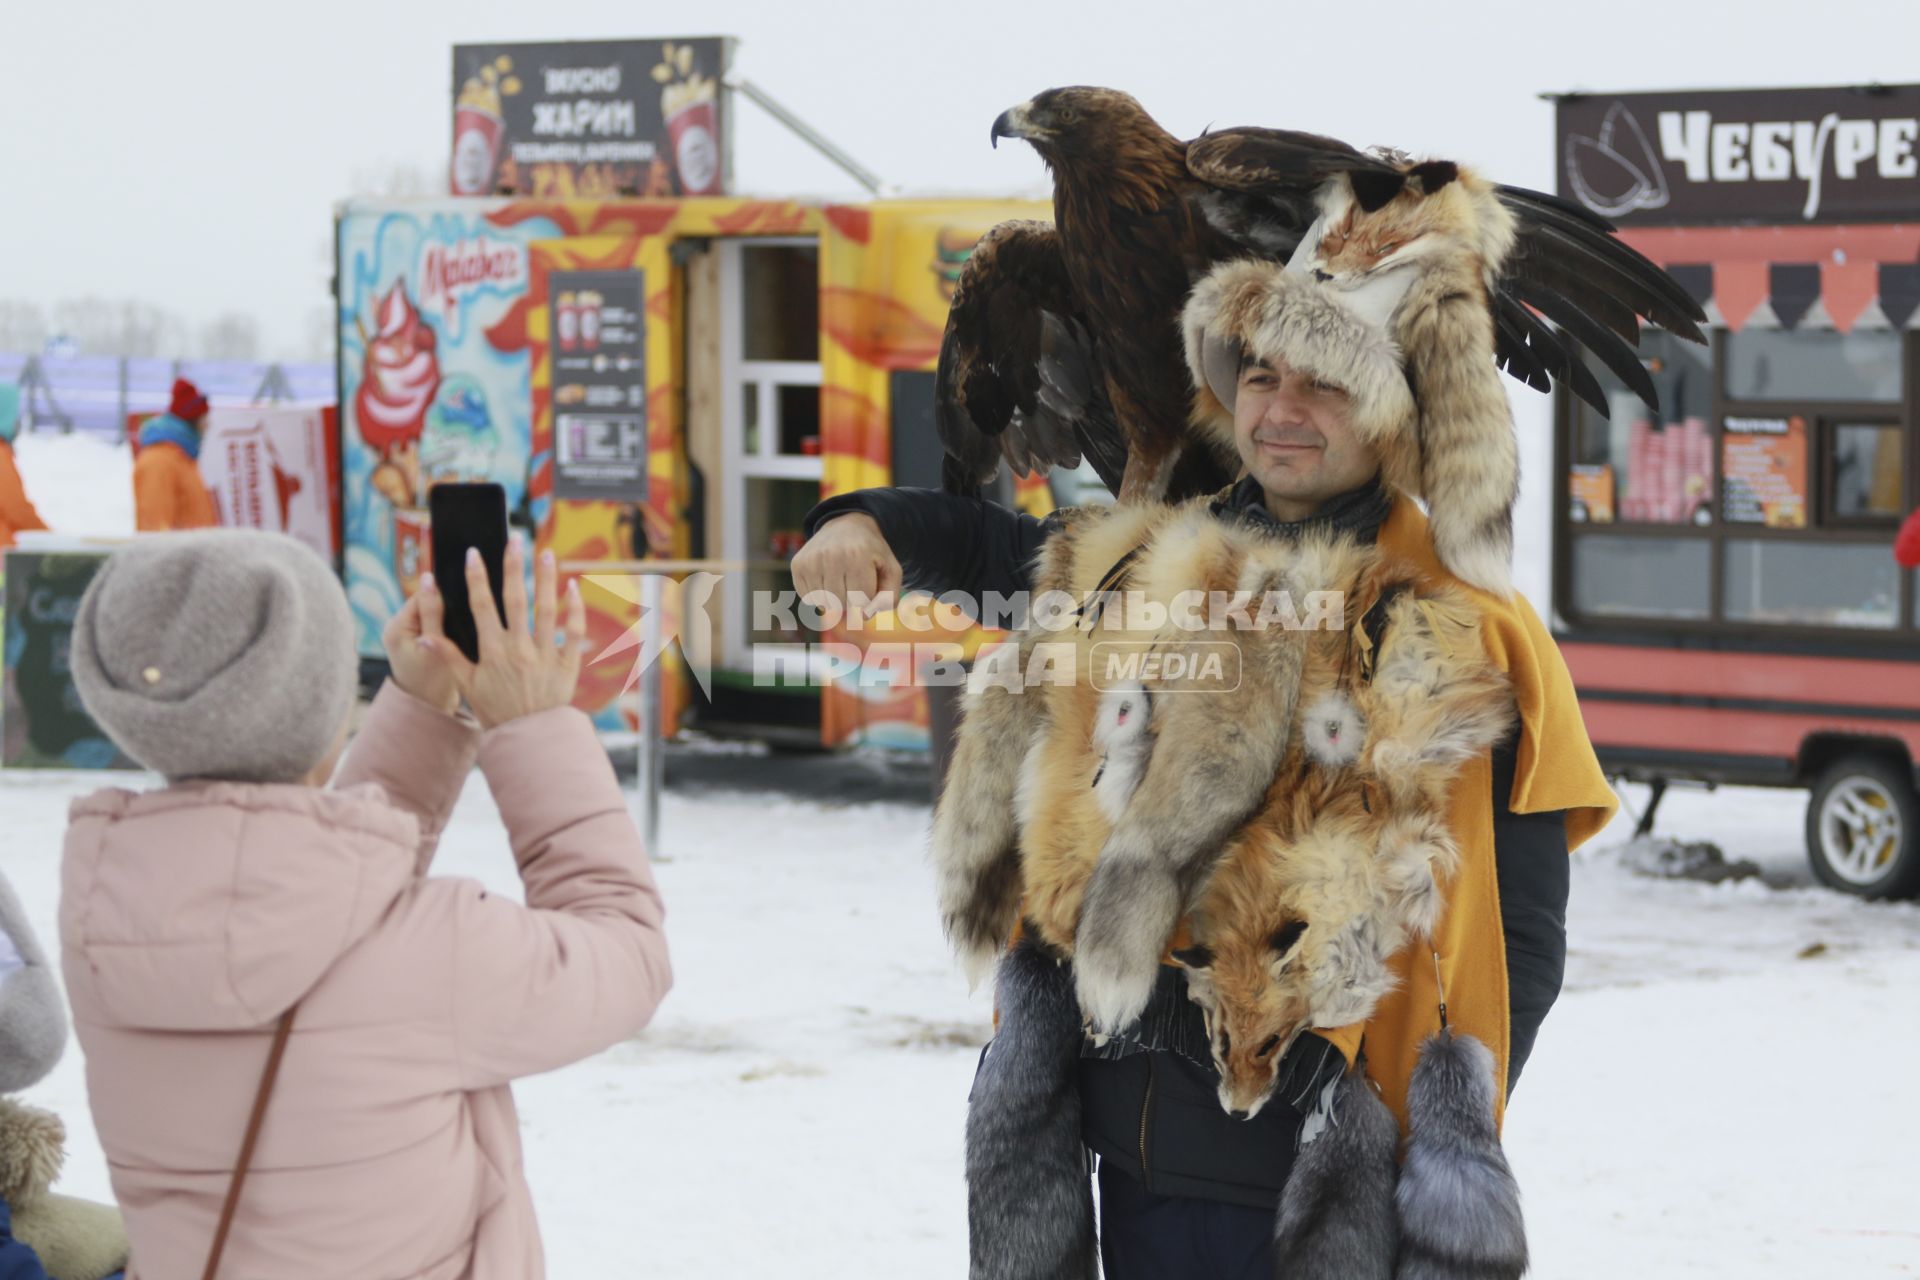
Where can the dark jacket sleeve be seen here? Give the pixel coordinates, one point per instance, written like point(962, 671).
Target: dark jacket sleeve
point(1534, 873)
point(945, 542)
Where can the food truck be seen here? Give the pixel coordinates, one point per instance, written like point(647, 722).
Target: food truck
point(1724, 587)
point(674, 379)
point(657, 371)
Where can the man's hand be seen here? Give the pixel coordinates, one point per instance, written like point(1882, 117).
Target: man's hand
point(849, 562)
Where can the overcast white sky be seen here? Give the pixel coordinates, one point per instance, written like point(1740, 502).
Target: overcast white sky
point(189, 153)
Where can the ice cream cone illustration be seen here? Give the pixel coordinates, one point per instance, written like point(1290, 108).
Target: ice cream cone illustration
point(400, 375)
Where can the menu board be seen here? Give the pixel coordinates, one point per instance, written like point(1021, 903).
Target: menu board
point(1763, 465)
point(599, 385)
point(42, 723)
point(1592, 494)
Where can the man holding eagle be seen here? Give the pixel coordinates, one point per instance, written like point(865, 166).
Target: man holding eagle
point(1292, 341)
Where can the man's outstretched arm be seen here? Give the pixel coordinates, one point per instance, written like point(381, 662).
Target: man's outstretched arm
point(937, 542)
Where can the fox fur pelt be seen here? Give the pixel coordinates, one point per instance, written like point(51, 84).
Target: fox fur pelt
point(1449, 1211)
point(1337, 1218)
point(1459, 1206)
point(1345, 861)
point(1296, 814)
point(1414, 272)
point(1029, 1197)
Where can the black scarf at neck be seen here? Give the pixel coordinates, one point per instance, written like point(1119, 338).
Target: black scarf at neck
point(1358, 511)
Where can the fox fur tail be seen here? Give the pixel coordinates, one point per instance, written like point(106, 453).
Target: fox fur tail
point(1468, 460)
point(1193, 795)
point(975, 844)
point(1458, 1201)
point(1029, 1188)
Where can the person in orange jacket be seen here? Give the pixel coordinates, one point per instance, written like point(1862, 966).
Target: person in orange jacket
point(167, 490)
point(16, 509)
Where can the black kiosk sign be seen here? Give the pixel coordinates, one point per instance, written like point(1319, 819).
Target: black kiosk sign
point(591, 118)
point(1764, 156)
point(599, 379)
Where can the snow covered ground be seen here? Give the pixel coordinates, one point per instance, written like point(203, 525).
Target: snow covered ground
point(81, 484)
point(1706, 1100)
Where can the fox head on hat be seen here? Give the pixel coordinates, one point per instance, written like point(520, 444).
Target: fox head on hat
point(1387, 298)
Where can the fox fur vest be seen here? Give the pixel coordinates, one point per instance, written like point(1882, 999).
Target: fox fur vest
point(1287, 802)
point(1371, 830)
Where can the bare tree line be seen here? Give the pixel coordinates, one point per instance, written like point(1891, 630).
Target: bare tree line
point(101, 326)
point(126, 327)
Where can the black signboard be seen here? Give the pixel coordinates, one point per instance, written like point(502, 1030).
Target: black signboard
point(1767, 156)
point(592, 118)
point(599, 378)
point(42, 724)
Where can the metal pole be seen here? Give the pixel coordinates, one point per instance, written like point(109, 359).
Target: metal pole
point(806, 133)
point(649, 756)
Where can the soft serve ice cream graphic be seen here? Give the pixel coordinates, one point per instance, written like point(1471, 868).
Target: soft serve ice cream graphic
point(398, 382)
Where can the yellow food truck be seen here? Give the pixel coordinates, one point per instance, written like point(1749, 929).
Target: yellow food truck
point(671, 379)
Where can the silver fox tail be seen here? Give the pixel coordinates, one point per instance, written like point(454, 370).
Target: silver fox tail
point(1336, 1215)
point(1029, 1189)
point(1459, 1204)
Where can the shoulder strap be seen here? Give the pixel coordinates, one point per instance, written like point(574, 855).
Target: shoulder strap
point(1373, 625)
point(254, 1121)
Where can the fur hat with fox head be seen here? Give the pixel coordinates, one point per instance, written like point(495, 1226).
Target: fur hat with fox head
point(1386, 298)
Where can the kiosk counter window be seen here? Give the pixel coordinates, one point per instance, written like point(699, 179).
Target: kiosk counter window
point(1764, 491)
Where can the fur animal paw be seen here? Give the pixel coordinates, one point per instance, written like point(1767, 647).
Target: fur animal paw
point(1113, 983)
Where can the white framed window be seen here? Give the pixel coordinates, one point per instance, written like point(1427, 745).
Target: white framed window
point(770, 418)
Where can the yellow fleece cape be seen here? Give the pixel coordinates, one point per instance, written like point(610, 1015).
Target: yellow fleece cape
point(1555, 769)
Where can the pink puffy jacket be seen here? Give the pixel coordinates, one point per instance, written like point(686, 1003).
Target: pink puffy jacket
point(191, 918)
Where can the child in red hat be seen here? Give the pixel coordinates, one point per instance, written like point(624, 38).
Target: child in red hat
point(167, 489)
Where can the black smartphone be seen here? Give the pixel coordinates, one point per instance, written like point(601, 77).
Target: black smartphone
point(463, 516)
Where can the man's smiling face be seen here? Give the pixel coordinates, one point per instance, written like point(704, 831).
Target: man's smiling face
point(1295, 438)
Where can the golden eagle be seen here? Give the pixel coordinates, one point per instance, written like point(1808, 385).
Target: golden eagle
point(1064, 340)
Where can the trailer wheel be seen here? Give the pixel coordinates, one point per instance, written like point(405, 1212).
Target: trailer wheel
point(1863, 829)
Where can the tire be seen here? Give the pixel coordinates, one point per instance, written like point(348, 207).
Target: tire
point(1863, 828)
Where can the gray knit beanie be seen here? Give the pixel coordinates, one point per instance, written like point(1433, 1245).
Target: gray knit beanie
point(217, 654)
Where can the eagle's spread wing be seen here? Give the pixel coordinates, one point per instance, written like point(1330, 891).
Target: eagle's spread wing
point(1568, 265)
point(1260, 183)
point(1019, 378)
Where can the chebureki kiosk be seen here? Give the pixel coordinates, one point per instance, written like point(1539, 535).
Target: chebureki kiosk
point(1724, 589)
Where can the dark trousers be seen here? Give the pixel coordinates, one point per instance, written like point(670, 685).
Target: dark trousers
point(1148, 1237)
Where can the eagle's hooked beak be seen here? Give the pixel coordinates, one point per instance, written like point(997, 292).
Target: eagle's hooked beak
point(1014, 122)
